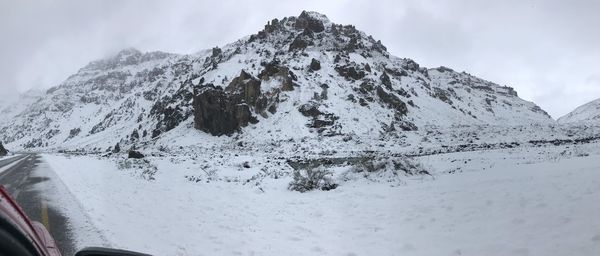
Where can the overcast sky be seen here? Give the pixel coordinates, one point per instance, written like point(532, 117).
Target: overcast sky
point(547, 50)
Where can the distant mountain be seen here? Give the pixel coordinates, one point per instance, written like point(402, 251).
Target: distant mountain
point(587, 113)
point(299, 77)
point(11, 107)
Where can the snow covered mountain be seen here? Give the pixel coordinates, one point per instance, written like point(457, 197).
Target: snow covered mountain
point(588, 113)
point(10, 107)
point(299, 77)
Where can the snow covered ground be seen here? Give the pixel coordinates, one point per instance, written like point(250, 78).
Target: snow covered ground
point(527, 201)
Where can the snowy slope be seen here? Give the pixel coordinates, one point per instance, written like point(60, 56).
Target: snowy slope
point(588, 113)
point(533, 201)
point(360, 90)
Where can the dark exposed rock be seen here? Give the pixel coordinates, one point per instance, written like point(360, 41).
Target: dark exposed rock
point(396, 72)
point(219, 113)
point(385, 80)
point(3, 151)
point(324, 93)
point(273, 26)
point(362, 102)
point(270, 69)
point(337, 58)
point(379, 47)
point(170, 117)
point(274, 70)
point(310, 110)
point(442, 94)
point(135, 154)
point(117, 148)
point(411, 65)
point(216, 52)
point(74, 132)
point(134, 135)
point(247, 86)
point(299, 43)
point(315, 64)
point(354, 44)
point(407, 126)
point(305, 21)
point(320, 123)
point(366, 87)
point(392, 101)
point(368, 67)
point(350, 72)
point(444, 69)
point(351, 98)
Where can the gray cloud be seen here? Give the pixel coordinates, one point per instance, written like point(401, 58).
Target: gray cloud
point(545, 49)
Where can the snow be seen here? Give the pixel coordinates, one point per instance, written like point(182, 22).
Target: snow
point(588, 113)
point(520, 183)
point(505, 202)
point(125, 92)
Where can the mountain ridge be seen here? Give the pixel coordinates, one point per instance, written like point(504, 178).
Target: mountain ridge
point(358, 89)
point(588, 113)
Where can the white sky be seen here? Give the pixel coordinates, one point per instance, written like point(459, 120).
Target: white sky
point(547, 50)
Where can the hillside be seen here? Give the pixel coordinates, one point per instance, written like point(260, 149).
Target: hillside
point(588, 113)
point(299, 78)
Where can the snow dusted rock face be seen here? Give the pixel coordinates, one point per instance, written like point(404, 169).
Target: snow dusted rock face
point(585, 114)
point(300, 77)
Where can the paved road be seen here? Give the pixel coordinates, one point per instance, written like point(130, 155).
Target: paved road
point(23, 180)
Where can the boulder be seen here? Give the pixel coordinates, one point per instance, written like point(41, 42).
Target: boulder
point(315, 65)
point(135, 154)
point(310, 110)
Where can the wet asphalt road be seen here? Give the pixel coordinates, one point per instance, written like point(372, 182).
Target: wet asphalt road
point(23, 181)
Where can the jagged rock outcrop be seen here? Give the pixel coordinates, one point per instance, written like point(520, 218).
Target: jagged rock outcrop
point(3, 151)
point(220, 113)
point(309, 22)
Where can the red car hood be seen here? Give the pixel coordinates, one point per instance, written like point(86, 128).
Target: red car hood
point(34, 231)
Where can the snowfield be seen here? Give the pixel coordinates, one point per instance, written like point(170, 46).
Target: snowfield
point(528, 201)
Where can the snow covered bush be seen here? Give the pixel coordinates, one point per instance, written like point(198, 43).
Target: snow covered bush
point(138, 167)
point(386, 170)
point(310, 179)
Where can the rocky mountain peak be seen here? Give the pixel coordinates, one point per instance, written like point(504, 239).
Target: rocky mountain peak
point(125, 57)
point(314, 30)
point(299, 77)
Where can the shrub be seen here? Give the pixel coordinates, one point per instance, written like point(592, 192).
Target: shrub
point(386, 170)
point(311, 179)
